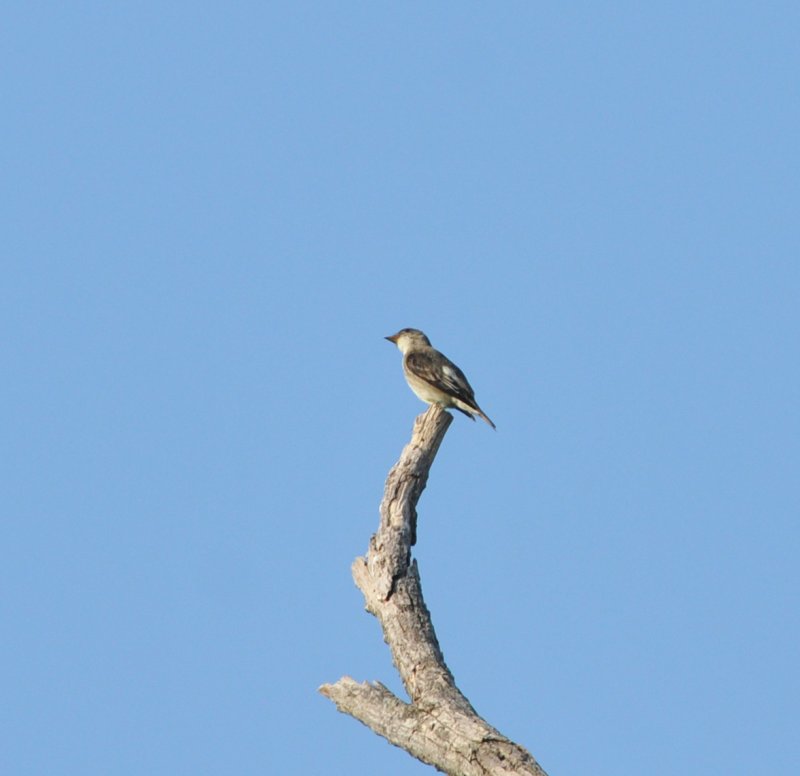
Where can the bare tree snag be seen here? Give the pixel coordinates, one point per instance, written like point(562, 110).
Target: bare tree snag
point(438, 726)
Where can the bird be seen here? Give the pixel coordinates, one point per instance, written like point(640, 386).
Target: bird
point(433, 377)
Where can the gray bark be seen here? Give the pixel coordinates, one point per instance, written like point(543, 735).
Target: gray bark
point(438, 726)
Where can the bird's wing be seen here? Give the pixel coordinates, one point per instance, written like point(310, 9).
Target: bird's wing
point(441, 373)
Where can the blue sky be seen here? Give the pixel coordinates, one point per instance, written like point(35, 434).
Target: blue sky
point(213, 214)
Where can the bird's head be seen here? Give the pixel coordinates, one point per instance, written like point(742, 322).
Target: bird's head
point(407, 339)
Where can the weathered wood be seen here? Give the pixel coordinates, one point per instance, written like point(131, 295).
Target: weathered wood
point(438, 726)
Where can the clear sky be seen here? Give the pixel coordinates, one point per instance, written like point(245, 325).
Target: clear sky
point(214, 213)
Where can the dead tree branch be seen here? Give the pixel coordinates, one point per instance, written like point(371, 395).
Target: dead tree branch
point(438, 726)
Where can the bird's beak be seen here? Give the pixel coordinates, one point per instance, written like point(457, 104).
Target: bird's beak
point(393, 338)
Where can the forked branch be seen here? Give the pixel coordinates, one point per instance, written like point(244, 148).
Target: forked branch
point(438, 726)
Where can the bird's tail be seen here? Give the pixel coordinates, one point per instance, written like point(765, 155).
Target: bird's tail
point(485, 417)
point(474, 410)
